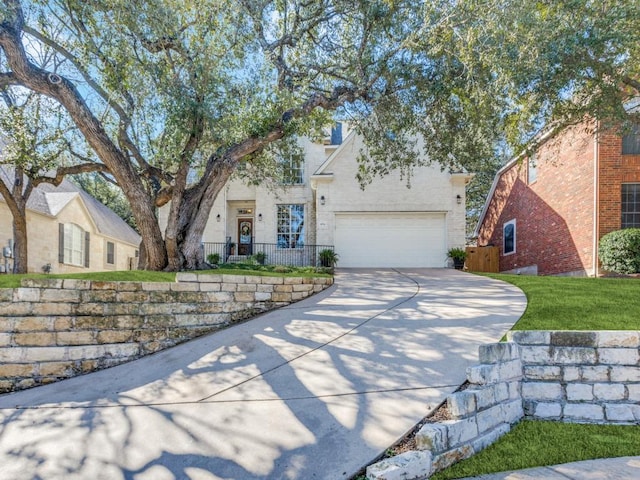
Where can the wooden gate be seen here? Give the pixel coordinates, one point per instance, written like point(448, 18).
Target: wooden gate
point(483, 259)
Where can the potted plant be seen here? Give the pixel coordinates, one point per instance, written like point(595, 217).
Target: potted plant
point(328, 258)
point(261, 258)
point(458, 255)
point(213, 258)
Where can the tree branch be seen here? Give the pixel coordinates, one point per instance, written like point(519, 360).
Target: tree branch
point(62, 172)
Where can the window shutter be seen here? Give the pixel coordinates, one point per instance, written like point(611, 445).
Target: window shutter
point(61, 242)
point(86, 249)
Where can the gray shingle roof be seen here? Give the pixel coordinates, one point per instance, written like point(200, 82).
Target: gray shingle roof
point(50, 200)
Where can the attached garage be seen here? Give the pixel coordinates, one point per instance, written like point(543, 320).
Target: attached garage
point(390, 239)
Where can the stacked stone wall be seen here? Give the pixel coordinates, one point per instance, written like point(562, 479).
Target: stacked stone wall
point(53, 329)
point(569, 376)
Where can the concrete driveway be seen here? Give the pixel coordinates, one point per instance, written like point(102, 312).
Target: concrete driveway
point(315, 390)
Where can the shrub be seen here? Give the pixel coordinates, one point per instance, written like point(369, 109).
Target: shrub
point(213, 258)
point(619, 251)
point(328, 258)
point(261, 257)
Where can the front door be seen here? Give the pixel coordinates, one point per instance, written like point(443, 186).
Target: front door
point(245, 236)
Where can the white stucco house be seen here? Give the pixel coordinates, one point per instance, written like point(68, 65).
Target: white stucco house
point(322, 205)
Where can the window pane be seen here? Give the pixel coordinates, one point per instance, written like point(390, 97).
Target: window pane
point(509, 237)
point(631, 141)
point(111, 253)
point(73, 244)
point(630, 205)
point(290, 226)
point(293, 169)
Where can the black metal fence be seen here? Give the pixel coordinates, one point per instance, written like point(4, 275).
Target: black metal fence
point(267, 253)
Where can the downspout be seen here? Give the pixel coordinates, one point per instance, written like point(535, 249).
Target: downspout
point(596, 196)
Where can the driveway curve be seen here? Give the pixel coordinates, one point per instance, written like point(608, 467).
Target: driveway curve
point(315, 390)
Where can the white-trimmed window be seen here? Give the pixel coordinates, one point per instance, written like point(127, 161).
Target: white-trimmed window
point(509, 237)
point(73, 248)
point(290, 226)
point(111, 253)
point(630, 204)
point(293, 169)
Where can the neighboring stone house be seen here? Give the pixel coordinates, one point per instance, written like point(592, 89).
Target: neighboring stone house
point(321, 204)
point(71, 231)
point(548, 212)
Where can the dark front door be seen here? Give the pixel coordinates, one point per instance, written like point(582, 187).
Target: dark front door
point(245, 236)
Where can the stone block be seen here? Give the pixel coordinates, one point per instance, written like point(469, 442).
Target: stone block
point(122, 309)
point(459, 432)
point(540, 372)
point(281, 297)
point(61, 324)
point(90, 308)
point(228, 287)
point(512, 411)
point(295, 296)
point(625, 374)
point(76, 284)
point(59, 295)
point(536, 355)
point(541, 391)
point(574, 339)
point(56, 369)
point(462, 404)
point(241, 297)
point(498, 352)
point(210, 287)
point(549, 411)
point(115, 336)
point(53, 309)
point(75, 338)
point(509, 370)
point(219, 297)
point(485, 395)
point(16, 369)
point(263, 296)
point(187, 277)
point(625, 339)
point(19, 309)
point(99, 285)
point(247, 287)
point(489, 419)
point(529, 337)
point(41, 282)
point(185, 287)
point(574, 355)
point(609, 391)
point(253, 279)
point(6, 294)
point(303, 288)
point(490, 437)
point(515, 390)
point(34, 339)
point(32, 324)
point(209, 278)
point(129, 286)
point(156, 286)
point(432, 437)
point(5, 339)
point(283, 288)
point(264, 288)
point(621, 412)
point(571, 373)
point(273, 280)
point(482, 374)
point(446, 459)
point(583, 412)
point(595, 373)
point(132, 297)
point(619, 356)
point(12, 354)
point(26, 294)
point(406, 466)
point(579, 392)
point(292, 281)
point(46, 354)
point(233, 278)
point(93, 322)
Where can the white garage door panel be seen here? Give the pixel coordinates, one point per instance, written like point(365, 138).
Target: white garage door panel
point(391, 239)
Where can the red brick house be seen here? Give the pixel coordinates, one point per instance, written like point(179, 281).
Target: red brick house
point(547, 212)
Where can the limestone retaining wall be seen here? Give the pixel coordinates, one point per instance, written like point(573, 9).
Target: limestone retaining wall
point(54, 329)
point(586, 377)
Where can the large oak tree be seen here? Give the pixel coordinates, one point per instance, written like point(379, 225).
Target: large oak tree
point(172, 95)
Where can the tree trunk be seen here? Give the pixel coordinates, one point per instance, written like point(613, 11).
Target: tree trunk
point(20, 248)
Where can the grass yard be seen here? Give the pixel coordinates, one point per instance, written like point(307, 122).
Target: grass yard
point(13, 281)
point(569, 303)
point(537, 443)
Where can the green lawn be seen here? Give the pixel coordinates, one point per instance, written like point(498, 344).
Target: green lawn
point(537, 443)
point(568, 303)
point(13, 281)
point(563, 303)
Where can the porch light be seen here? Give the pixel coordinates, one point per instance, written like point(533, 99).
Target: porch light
point(322, 200)
point(218, 218)
point(458, 199)
point(259, 217)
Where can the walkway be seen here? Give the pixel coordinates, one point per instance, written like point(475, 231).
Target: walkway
point(312, 391)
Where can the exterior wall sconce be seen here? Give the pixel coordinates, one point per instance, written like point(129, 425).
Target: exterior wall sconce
point(218, 218)
point(259, 217)
point(322, 200)
point(458, 199)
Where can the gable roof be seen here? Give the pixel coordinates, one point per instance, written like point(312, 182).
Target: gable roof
point(50, 200)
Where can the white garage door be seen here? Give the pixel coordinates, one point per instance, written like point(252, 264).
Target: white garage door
point(391, 239)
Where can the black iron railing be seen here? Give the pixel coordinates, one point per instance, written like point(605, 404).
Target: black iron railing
point(267, 253)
